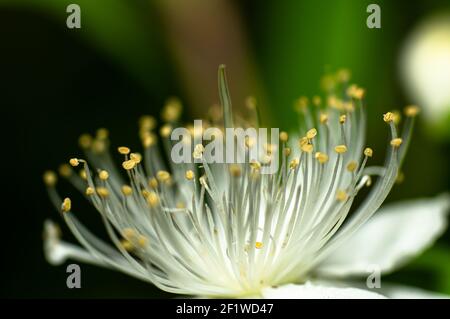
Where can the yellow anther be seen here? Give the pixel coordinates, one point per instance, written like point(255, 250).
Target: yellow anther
point(130, 164)
point(332, 101)
point(189, 175)
point(89, 191)
point(368, 152)
point(103, 175)
point(255, 165)
point(152, 199)
point(127, 190)
point(270, 148)
point(153, 182)
point(99, 146)
point(301, 104)
point(129, 233)
point(316, 100)
point(341, 195)
point(340, 149)
point(165, 130)
point(311, 133)
point(328, 82)
point(303, 141)
point(411, 110)
point(50, 178)
point(142, 241)
point(287, 151)
point(74, 162)
point(249, 142)
point(136, 157)
point(65, 170)
point(349, 107)
point(284, 136)
point(180, 205)
point(323, 118)
point(359, 93)
point(235, 170)
point(102, 191)
point(102, 133)
point(127, 245)
point(147, 122)
point(342, 118)
point(83, 174)
point(307, 148)
point(148, 140)
point(352, 166)
point(123, 150)
point(388, 117)
point(85, 141)
point(396, 142)
point(198, 151)
point(258, 245)
point(163, 176)
point(343, 75)
point(172, 110)
point(66, 205)
point(294, 163)
point(321, 157)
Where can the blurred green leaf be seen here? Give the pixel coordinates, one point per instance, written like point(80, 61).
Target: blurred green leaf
point(121, 29)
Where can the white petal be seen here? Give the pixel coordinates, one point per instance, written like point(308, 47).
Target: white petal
point(312, 291)
point(392, 237)
point(405, 292)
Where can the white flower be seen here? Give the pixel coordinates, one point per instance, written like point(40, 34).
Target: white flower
point(225, 230)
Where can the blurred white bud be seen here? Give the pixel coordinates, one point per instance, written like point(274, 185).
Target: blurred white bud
point(425, 66)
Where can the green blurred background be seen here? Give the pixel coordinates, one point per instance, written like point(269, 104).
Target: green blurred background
point(130, 56)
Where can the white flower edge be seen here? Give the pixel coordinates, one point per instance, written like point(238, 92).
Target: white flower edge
point(396, 234)
point(310, 290)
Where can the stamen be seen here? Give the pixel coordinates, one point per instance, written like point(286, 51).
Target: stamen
point(321, 157)
point(127, 190)
point(50, 178)
point(258, 245)
point(128, 165)
point(340, 149)
point(89, 191)
point(284, 136)
point(123, 150)
point(74, 162)
point(388, 117)
point(66, 205)
point(323, 118)
point(102, 191)
point(396, 142)
point(189, 175)
point(103, 175)
point(85, 141)
point(411, 111)
point(294, 163)
point(341, 195)
point(65, 170)
point(352, 166)
point(311, 133)
point(235, 170)
point(368, 152)
point(307, 148)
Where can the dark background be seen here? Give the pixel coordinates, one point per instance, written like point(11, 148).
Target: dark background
point(58, 83)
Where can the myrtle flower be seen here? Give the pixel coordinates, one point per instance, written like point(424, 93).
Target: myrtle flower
point(225, 229)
